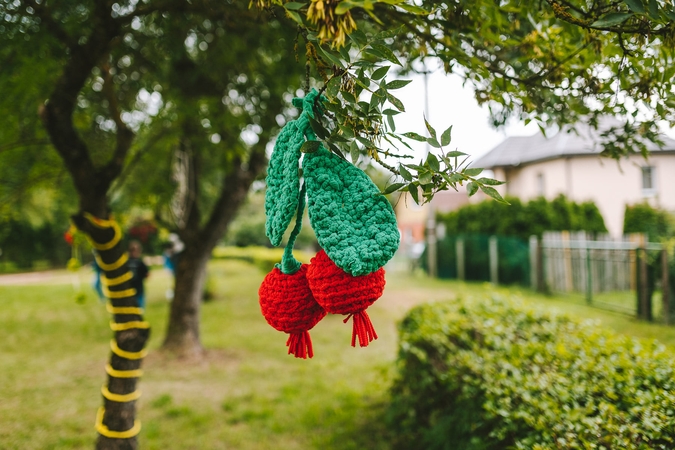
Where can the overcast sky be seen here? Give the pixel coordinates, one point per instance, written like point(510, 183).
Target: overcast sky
point(450, 103)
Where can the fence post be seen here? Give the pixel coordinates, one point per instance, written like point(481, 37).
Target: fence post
point(665, 286)
point(459, 249)
point(589, 277)
point(643, 294)
point(494, 259)
point(534, 269)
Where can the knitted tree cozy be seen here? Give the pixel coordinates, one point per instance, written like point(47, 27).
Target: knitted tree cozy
point(354, 224)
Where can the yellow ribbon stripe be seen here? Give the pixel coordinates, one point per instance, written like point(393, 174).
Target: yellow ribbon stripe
point(104, 431)
point(103, 224)
point(98, 222)
point(123, 373)
point(113, 266)
point(120, 398)
point(123, 309)
point(105, 281)
point(119, 294)
point(128, 325)
point(125, 354)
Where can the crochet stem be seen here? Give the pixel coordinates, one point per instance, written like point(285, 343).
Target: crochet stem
point(363, 328)
point(300, 345)
point(289, 265)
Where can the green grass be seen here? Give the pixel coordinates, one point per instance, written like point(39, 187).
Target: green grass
point(247, 394)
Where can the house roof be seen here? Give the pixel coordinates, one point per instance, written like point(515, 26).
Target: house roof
point(584, 140)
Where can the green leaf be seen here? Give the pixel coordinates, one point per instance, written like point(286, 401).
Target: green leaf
point(431, 130)
point(331, 57)
point(346, 131)
point(433, 162)
point(354, 152)
point(445, 137)
point(392, 125)
point(295, 16)
point(358, 37)
point(390, 112)
point(492, 192)
point(455, 154)
point(344, 52)
point(414, 9)
point(670, 14)
point(393, 188)
point(471, 188)
point(490, 181)
point(367, 143)
point(404, 173)
point(386, 53)
point(425, 177)
point(415, 136)
point(321, 132)
point(333, 87)
point(344, 6)
point(472, 172)
point(310, 146)
point(390, 33)
point(653, 7)
point(414, 192)
point(433, 142)
point(398, 104)
point(611, 19)
point(636, 6)
point(294, 5)
point(349, 97)
point(380, 73)
point(397, 84)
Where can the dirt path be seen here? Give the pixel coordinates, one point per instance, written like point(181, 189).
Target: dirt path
point(44, 277)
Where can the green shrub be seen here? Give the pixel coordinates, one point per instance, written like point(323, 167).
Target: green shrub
point(655, 223)
point(495, 375)
point(262, 257)
point(524, 219)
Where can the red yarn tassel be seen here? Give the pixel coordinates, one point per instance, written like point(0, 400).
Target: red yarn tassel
point(363, 328)
point(300, 345)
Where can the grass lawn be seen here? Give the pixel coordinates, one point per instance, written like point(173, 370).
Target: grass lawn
point(248, 394)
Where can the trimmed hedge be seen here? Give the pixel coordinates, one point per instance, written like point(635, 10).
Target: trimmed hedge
point(262, 257)
point(494, 374)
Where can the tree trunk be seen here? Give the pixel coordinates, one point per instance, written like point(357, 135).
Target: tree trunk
point(116, 420)
point(182, 335)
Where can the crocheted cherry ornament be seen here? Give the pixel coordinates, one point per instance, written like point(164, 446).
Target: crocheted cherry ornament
point(288, 305)
point(341, 293)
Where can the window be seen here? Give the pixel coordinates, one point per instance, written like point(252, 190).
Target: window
point(648, 181)
point(541, 185)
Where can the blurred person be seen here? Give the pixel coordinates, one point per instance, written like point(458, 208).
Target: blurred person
point(138, 270)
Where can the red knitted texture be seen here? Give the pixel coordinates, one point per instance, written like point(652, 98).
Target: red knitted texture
point(288, 305)
point(341, 293)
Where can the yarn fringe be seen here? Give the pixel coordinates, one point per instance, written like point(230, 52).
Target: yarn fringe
point(300, 345)
point(363, 328)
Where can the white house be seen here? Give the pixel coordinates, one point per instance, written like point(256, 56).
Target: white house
point(569, 163)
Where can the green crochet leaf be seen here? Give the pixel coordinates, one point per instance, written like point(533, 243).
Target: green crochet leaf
point(283, 182)
point(354, 224)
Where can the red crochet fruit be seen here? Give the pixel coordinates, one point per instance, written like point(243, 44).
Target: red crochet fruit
point(341, 293)
point(289, 306)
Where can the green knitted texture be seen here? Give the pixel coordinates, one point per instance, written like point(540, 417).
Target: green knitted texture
point(354, 224)
point(283, 182)
point(289, 265)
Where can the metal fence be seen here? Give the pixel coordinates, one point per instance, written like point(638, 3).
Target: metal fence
point(627, 275)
